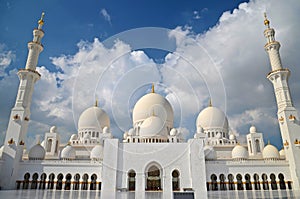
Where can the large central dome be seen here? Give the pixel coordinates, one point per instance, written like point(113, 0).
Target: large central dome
point(212, 117)
point(150, 104)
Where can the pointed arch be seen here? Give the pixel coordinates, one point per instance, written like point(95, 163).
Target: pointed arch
point(153, 174)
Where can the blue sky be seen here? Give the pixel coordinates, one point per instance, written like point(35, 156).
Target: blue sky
point(217, 52)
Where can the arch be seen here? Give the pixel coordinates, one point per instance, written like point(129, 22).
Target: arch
point(222, 182)
point(68, 181)
point(131, 180)
point(175, 180)
point(281, 181)
point(43, 181)
point(76, 181)
point(248, 182)
point(93, 185)
point(239, 182)
point(35, 177)
point(265, 181)
point(230, 182)
point(26, 181)
point(51, 181)
point(273, 182)
point(153, 177)
point(85, 179)
point(59, 183)
point(256, 182)
point(49, 145)
point(257, 146)
point(214, 184)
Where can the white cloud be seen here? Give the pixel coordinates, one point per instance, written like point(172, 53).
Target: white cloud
point(105, 14)
point(6, 58)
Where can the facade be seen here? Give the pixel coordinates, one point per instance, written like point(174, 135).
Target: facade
point(153, 156)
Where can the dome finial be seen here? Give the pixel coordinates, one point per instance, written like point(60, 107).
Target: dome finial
point(96, 102)
point(41, 21)
point(210, 103)
point(152, 89)
point(268, 142)
point(266, 21)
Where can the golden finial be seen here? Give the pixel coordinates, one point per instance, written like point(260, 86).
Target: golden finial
point(96, 103)
point(41, 21)
point(210, 103)
point(268, 142)
point(266, 21)
point(152, 89)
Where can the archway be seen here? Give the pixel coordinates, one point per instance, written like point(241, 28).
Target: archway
point(26, 181)
point(239, 182)
point(68, 182)
point(256, 182)
point(93, 185)
point(51, 181)
point(175, 180)
point(43, 181)
point(230, 182)
point(60, 178)
point(76, 181)
point(273, 182)
point(265, 182)
point(214, 184)
point(153, 176)
point(131, 180)
point(35, 177)
point(222, 182)
point(248, 182)
point(85, 178)
point(281, 181)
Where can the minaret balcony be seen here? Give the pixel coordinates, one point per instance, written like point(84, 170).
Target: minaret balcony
point(286, 144)
point(292, 118)
point(297, 143)
point(281, 120)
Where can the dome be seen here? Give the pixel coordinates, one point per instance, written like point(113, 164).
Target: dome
point(252, 129)
point(37, 152)
point(53, 129)
point(282, 153)
point(153, 126)
point(93, 117)
point(150, 103)
point(210, 153)
point(219, 136)
point(1, 151)
point(68, 153)
point(232, 137)
point(239, 152)
point(73, 137)
point(97, 153)
point(105, 130)
point(130, 132)
point(212, 117)
point(173, 132)
point(87, 136)
point(270, 152)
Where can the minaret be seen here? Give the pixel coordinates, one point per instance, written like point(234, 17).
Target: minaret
point(20, 113)
point(287, 115)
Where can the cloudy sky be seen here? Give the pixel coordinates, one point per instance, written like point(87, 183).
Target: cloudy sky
point(114, 51)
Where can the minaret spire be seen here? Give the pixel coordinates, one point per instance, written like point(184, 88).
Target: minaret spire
point(152, 88)
point(20, 113)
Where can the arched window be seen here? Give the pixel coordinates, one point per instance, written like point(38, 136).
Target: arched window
point(250, 145)
point(273, 182)
point(85, 178)
point(175, 180)
point(68, 182)
point(60, 178)
point(230, 182)
point(26, 181)
point(76, 181)
point(93, 185)
point(222, 182)
point(51, 181)
point(35, 177)
point(49, 144)
point(153, 179)
point(265, 182)
point(214, 184)
point(239, 182)
point(281, 181)
point(43, 181)
point(256, 182)
point(131, 180)
point(248, 182)
point(257, 146)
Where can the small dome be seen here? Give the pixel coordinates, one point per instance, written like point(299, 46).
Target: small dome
point(131, 132)
point(153, 102)
point(212, 117)
point(105, 130)
point(53, 129)
point(37, 152)
point(219, 136)
point(252, 129)
point(239, 152)
point(153, 126)
point(270, 152)
point(1, 151)
point(173, 132)
point(200, 129)
point(210, 153)
point(282, 153)
point(93, 117)
point(87, 136)
point(97, 152)
point(232, 137)
point(73, 137)
point(68, 153)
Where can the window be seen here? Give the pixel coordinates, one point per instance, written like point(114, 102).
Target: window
point(239, 182)
point(175, 180)
point(222, 182)
point(257, 146)
point(214, 184)
point(131, 180)
point(93, 185)
point(248, 182)
point(273, 182)
point(68, 182)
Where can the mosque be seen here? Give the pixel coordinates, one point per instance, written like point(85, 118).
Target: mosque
point(153, 156)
